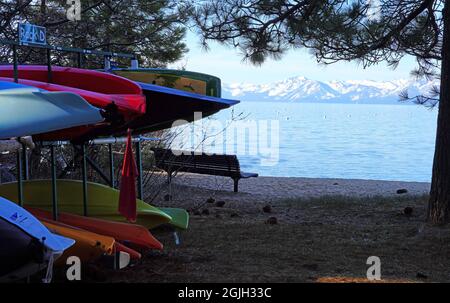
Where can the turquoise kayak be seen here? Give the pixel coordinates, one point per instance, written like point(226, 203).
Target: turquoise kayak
point(26, 245)
point(27, 110)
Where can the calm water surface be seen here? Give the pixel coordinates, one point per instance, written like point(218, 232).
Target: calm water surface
point(380, 142)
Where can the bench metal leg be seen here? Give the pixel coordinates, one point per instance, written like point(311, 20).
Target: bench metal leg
point(236, 185)
point(169, 177)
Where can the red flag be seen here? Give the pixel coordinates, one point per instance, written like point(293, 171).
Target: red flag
point(127, 200)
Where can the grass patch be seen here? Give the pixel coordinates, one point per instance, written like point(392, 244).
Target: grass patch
point(317, 240)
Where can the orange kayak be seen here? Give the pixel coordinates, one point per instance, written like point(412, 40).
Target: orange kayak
point(88, 246)
point(120, 231)
point(118, 247)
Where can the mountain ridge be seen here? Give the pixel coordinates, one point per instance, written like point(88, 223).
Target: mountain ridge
point(302, 89)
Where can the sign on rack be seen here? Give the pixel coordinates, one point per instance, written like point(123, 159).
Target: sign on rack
point(30, 34)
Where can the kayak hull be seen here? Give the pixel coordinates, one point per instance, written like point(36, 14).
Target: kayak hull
point(180, 217)
point(167, 106)
point(192, 82)
point(134, 255)
point(121, 98)
point(123, 232)
point(45, 111)
point(100, 89)
point(103, 201)
point(88, 246)
point(26, 245)
point(174, 96)
point(18, 249)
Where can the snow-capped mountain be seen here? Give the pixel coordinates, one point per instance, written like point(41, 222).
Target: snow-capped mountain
point(301, 89)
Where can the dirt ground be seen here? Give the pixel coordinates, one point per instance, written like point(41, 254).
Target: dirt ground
point(327, 239)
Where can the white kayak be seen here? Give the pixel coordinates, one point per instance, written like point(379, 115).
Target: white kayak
point(27, 110)
point(26, 245)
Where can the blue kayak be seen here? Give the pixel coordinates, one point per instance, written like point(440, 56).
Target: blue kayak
point(27, 110)
point(167, 105)
point(26, 245)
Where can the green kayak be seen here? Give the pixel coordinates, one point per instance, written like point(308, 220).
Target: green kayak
point(180, 217)
point(193, 82)
point(103, 202)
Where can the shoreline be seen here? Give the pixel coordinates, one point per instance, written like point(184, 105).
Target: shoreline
point(196, 192)
point(284, 188)
point(340, 178)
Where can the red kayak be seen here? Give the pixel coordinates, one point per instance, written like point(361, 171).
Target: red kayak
point(134, 255)
point(125, 232)
point(122, 99)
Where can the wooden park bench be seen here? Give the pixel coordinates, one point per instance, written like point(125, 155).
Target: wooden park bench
point(185, 161)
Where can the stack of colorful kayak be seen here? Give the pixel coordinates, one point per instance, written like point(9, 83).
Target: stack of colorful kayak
point(120, 100)
point(79, 105)
point(103, 202)
point(142, 106)
point(104, 233)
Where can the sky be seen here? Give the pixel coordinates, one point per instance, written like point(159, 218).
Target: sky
point(226, 63)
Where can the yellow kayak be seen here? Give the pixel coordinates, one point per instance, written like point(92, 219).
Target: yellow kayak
point(103, 201)
point(88, 246)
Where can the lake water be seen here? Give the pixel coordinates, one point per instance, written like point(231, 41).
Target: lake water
point(379, 142)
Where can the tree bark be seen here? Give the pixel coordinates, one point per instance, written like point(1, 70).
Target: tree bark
point(439, 204)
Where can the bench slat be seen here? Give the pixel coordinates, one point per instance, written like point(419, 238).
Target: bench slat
point(220, 165)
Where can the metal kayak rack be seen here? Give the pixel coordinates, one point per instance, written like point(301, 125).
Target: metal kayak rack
point(51, 48)
point(22, 166)
point(22, 160)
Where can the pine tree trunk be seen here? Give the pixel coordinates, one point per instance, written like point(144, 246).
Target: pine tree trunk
point(439, 204)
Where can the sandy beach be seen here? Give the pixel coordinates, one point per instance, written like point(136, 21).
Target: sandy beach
point(279, 188)
point(191, 191)
point(295, 230)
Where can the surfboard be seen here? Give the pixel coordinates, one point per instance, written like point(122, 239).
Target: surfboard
point(26, 110)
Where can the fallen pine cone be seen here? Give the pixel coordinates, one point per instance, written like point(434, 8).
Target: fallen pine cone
point(408, 211)
point(267, 209)
point(220, 204)
point(272, 221)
